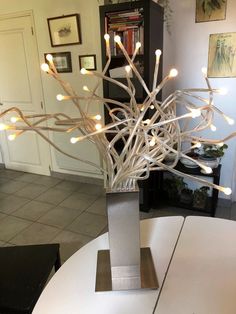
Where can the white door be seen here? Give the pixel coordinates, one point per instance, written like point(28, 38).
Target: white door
point(20, 86)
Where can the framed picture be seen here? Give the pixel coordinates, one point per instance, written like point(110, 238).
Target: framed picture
point(62, 61)
point(222, 55)
point(210, 10)
point(64, 30)
point(88, 62)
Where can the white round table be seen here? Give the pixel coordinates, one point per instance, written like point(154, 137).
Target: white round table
point(195, 261)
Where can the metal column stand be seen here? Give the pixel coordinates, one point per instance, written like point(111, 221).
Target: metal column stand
point(125, 266)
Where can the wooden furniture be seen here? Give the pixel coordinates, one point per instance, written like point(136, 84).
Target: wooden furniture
point(196, 275)
point(24, 271)
point(132, 21)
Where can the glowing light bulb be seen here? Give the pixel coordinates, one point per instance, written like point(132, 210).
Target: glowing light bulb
point(98, 126)
point(73, 140)
point(83, 71)
point(152, 107)
point(107, 37)
point(85, 88)
point(229, 120)
point(138, 45)
point(204, 71)
point(147, 121)
point(223, 91)
point(14, 119)
point(158, 52)
point(213, 127)
point(45, 67)
point(207, 169)
point(173, 73)
point(220, 144)
point(152, 142)
point(195, 113)
point(98, 117)
point(198, 145)
point(142, 109)
point(117, 39)
point(60, 97)
point(3, 127)
point(49, 57)
point(127, 68)
point(11, 137)
point(227, 191)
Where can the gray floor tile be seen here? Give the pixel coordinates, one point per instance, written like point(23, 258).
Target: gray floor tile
point(70, 242)
point(28, 177)
point(11, 174)
point(98, 207)
point(88, 224)
point(11, 203)
point(33, 210)
point(35, 234)
point(31, 191)
point(2, 243)
point(53, 196)
point(2, 195)
point(68, 185)
point(78, 201)
point(3, 179)
point(48, 181)
point(59, 217)
point(91, 189)
point(12, 186)
point(11, 226)
point(2, 215)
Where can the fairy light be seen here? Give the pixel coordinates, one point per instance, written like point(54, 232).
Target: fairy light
point(158, 53)
point(98, 126)
point(3, 127)
point(85, 88)
point(14, 119)
point(107, 37)
point(223, 91)
point(220, 144)
point(11, 137)
point(138, 45)
point(74, 140)
point(49, 57)
point(229, 120)
point(98, 117)
point(45, 67)
point(173, 73)
point(152, 142)
point(195, 113)
point(117, 39)
point(60, 97)
point(206, 169)
point(213, 127)
point(128, 69)
point(204, 71)
point(152, 107)
point(227, 191)
point(84, 71)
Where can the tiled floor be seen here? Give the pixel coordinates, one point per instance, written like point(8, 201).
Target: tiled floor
point(37, 209)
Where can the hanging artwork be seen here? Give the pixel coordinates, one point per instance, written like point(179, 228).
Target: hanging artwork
point(221, 56)
point(210, 10)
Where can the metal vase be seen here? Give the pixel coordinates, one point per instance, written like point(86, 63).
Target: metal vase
point(124, 266)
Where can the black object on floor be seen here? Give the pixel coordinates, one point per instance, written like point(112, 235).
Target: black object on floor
point(24, 271)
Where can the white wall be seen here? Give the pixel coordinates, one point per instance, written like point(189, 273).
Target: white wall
point(189, 46)
point(89, 18)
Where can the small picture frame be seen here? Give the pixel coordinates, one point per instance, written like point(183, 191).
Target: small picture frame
point(64, 30)
point(210, 10)
point(221, 55)
point(88, 62)
point(62, 61)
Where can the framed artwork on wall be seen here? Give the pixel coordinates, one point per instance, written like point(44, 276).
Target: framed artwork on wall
point(210, 10)
point(221, 55)
point(64, 30)
point(88, 62)
point(62, 61)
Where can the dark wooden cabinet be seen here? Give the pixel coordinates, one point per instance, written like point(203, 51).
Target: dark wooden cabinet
point(133, 21)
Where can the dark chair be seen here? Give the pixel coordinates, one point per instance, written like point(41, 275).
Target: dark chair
point(24, 271)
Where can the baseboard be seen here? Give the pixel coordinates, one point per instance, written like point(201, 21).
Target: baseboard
point(77, 178)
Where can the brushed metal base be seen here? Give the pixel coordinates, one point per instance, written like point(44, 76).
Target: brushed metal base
point(103, 276)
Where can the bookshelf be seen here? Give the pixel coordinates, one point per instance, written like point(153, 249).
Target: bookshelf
point(139, 21)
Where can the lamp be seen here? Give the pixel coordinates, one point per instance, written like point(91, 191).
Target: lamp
point(147, 141)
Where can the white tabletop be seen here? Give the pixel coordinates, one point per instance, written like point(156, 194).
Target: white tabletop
point(71, 290)
point(202, 275)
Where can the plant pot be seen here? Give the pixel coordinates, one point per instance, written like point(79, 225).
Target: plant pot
point(186, 197)
point(125, 266)
point(209, 161)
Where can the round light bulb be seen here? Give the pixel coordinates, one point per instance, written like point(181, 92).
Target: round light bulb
point(14, 119)
point(213, 127)
point(85, 88)
point(204, 71)
point(207, 169)
point(98, 117)
point(227, 191)
point(49, 57)
point(138, 45)
point(3, 127)
point(223, 91)
point(173, 73)
point(83, 71)
point(107, 37)
point(195, 113)
point(98, 126)
point(117, 39)
point(152, 142)
point(11, 137)
point(152, 107)
point(45, 67)
point(198, 145)
point(127, 68)
point(229, 120)
point(220, 144)
point(158, 52)
point(60, 97)
point(73, 140)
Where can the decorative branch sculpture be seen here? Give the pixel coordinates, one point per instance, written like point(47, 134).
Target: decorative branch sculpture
point(146, 142)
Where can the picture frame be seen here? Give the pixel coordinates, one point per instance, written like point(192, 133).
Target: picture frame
point(88, 62)
point(62, 61)
point(64, 30)
point(222, 55)
point(210, 10)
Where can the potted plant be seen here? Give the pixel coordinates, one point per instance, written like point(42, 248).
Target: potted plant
point(211, 154)
point(173, 187)
point(186, 196)
point(200, 197)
